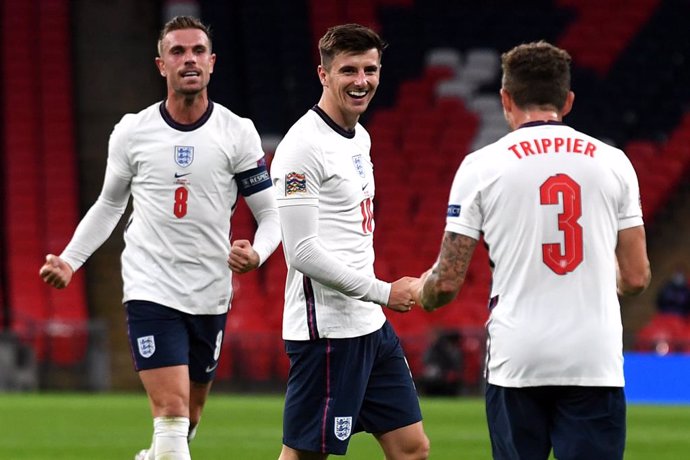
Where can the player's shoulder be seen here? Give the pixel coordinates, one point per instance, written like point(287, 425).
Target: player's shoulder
point(304, 133)
point(132, 119)
point(362, 133)
point(228, 118)
point(604, 149)
point(485, 153)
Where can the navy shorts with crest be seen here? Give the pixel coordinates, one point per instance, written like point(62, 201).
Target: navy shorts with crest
point(160, 336)
point(338, 387)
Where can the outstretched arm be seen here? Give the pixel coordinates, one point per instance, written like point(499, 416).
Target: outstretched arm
point(304, 252)
point(442, 282)
point(244, 256)
point(96, 226)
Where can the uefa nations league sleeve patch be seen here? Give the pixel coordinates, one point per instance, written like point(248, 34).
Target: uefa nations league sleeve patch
point(295, 184)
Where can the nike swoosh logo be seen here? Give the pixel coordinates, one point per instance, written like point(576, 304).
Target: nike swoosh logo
point(210, 369)
point(178, 175)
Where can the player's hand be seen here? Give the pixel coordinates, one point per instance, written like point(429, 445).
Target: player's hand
point(243, 258)
point(401, 298)
point(56, 272)
point(419, 286)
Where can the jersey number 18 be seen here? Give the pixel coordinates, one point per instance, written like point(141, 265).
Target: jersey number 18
point(367, 216)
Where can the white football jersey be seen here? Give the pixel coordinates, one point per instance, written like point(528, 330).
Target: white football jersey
point(549, 202)
point(320, 164)
point(184, 183)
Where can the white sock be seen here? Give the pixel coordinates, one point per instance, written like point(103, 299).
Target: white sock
point(170, 438)
point(151, 455)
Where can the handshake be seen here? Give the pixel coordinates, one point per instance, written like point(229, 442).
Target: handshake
point(408, 292)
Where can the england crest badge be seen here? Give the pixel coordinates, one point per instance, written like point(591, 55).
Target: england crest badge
point(147, 346)
point(184, 155)
point(357, 161)
point(342, 427)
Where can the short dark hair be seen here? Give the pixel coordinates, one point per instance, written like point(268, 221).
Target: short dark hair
point(181, 23)
point(348, 38)
point(537, 74)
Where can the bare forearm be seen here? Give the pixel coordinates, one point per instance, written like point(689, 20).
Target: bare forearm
point(443, 282)
point(434, 295)
point(633, 272)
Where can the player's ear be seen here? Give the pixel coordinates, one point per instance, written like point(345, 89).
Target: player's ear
point(161, 67)
point(212, 61)
point(321, 71)
point(506, 101)
point(567, 107)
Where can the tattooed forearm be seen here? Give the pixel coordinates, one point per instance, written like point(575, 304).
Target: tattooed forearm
point(445, 280)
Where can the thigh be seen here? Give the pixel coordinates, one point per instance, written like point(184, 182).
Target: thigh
point(518, 420)
point(168, 390)
point(205, 345)
point(326, 385)
point(589, 422)
point(409, 441)
point(157, 335)
point(391, 400)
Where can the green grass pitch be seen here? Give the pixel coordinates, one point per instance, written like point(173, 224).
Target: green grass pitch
point(237, 426)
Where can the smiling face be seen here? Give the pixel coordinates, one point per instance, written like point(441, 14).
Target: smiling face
point(186, 61)
point(349, 83)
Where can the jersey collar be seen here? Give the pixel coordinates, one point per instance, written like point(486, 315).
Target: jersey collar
point(529, 124)
point(335, 126)
point(181, 127)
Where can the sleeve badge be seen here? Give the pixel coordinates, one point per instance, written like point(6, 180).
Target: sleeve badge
point(295, 184)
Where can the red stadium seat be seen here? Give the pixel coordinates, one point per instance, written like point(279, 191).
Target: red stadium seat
point(663, 334)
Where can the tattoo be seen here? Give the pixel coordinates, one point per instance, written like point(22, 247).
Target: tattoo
point(446, 278)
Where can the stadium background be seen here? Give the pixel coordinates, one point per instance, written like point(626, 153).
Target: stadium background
point(70, 69)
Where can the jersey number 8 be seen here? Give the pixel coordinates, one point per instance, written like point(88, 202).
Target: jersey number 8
point(180, 206)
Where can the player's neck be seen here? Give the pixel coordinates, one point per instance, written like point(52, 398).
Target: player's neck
point(341, 118)
point(186, 109)
point(521, 117)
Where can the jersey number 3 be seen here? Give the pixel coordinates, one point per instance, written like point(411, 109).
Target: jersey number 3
point(561, 188)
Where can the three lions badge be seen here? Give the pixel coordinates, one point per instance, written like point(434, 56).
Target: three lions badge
point(147, 346)
point(342, 427)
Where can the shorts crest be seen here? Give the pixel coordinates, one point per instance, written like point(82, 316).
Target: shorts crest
point(147, 346)
point(342, 427)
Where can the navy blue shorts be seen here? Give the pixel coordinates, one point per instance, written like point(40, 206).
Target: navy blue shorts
point(337, 387)
point(578, 422)
point(160, 336)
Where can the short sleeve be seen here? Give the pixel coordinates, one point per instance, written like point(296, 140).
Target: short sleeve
point(630, 205)
point(464, 214)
